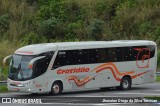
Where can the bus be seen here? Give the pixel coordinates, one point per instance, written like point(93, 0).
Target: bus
point(66, 66)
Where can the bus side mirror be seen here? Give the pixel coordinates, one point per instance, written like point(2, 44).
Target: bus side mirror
point(30, 66)
point(5, 60)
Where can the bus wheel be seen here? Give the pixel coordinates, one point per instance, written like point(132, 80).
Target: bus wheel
point(125, 83)
point(56, 88)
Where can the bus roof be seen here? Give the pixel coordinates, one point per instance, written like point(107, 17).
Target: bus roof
point(45, 47)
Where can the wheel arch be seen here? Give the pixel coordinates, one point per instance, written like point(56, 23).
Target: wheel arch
point(59, 81)
point(128, 76)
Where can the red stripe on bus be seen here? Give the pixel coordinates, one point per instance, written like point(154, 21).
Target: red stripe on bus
point(24, 52)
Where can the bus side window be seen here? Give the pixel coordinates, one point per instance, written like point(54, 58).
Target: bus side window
point(119, 54)
point(101, 55)
point(152, 50)
point(71, 57)
point(111, 54)
point(81, 57)
point(129, 54)
point(59, 61)
point(93, 57)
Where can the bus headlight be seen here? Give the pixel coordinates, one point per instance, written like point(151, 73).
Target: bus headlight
point(20, 85)
point(29, 89)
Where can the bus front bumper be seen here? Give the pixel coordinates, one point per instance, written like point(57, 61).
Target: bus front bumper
point(26, 86)
point(19, 89)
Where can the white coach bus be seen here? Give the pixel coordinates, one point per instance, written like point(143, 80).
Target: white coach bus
point(57, 67)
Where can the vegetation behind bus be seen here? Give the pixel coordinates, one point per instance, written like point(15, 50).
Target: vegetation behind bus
point(76, 20)
point(3, 88)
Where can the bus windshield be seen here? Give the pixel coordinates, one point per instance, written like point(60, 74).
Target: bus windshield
point(19, 70)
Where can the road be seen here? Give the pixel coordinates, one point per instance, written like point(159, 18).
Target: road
point(80, 98)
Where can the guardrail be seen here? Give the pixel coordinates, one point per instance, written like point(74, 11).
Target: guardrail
point(3, 82)
point(157, 73)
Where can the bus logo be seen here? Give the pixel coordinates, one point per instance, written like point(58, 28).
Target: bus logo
point(73, 70)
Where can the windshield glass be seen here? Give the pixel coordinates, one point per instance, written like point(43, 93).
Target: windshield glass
point(19, 70)
point(19, 67)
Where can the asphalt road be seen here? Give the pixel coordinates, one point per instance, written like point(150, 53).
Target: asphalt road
point(80, 98)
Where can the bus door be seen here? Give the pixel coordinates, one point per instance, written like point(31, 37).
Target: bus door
point(39, 66)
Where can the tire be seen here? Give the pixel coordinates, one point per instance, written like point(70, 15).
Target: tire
point(56, 88)
point(125, 83)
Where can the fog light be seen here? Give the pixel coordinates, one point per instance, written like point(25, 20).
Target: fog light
point(29, 89)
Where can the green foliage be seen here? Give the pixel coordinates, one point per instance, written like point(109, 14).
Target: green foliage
point(96, 29)
point(158, 59)
point(4, 23)
point(31, 2)
point(106, 9)
point(156, 34)
point(32, 38)
point(158, 78)
point(63, 10)
point(26, 22)
point(3, 73)
point(154, 98)
point(3, 88)
point(48, 27)
point(72, 30)
point(145, 28)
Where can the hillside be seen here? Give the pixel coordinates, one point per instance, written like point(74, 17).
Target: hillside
point(24, 22)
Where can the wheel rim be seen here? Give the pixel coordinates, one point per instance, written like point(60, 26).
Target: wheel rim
point(56, 89)
point(125, 84)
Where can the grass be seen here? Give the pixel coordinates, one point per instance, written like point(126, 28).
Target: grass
point(3, 88)
point(153, 98)
point(158, 79)
point(7, 48)
point(3, 73)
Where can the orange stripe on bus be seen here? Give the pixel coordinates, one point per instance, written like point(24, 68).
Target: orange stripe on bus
point(110, 68)
point(134, 76)
point(106, 68)
point(110, 65)
point(79, 82)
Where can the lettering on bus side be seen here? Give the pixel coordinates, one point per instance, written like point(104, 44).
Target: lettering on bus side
point(73, 70)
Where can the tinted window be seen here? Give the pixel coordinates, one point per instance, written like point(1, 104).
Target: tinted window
point(71, 57)
point(102, 55)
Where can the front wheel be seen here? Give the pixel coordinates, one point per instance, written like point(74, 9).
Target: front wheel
point(125, 83)
point(56, 88)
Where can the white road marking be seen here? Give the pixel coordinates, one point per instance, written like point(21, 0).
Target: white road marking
point(86, 104)
point(90, 96)
point(153, 90)
point(140, 93)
